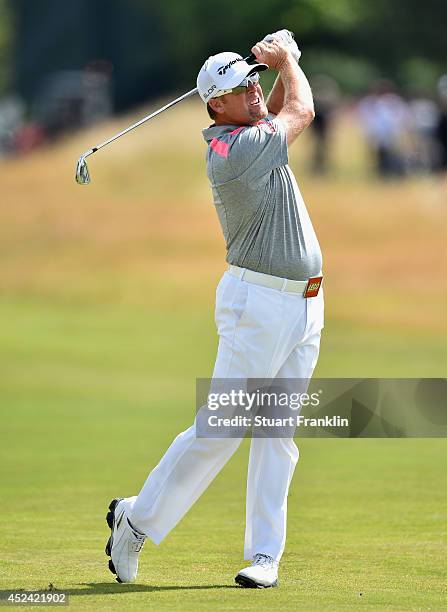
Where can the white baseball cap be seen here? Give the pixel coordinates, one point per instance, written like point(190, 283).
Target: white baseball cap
point(224, 71)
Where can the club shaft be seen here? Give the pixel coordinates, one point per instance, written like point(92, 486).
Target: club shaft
point(141, 121)
point(250, 59)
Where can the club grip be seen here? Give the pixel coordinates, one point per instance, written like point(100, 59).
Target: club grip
point(251, 59)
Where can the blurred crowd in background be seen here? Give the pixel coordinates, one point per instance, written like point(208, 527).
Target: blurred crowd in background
point(64, 102)
point(405, 135)
point(65, 66)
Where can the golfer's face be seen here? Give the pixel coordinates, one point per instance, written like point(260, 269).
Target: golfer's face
point(246, 108)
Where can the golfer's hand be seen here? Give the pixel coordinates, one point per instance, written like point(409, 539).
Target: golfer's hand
point(275, 54)
point(285, 37)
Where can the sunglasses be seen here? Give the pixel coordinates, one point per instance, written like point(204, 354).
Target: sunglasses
point(252, 79)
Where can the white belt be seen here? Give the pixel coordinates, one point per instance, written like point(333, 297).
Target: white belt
point(267, 280)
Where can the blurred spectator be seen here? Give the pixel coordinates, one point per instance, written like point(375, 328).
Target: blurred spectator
point(326, 95)
point(29, 137)
point(386, 120)
point(441, 128)
point(71, 99)
point(12, 113)
point(424, 119)
point(97, 81)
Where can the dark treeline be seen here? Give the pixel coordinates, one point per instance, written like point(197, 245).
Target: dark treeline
point(156, 47)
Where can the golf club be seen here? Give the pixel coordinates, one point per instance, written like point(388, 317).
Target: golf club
point(82, 174)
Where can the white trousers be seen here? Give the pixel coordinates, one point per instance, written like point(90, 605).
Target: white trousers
point(263, 333)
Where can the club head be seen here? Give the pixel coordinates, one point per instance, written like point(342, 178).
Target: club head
point(82, 173)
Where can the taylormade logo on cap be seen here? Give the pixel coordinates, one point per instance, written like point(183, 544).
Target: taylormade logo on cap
point(223, 71)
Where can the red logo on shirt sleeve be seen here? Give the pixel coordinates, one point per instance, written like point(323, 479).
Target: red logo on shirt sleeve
point(267, 126)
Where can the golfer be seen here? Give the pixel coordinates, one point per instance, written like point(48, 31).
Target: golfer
point(269, 305)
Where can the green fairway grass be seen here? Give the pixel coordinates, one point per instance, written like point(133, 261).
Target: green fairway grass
point(91, 399)
point(106, 303)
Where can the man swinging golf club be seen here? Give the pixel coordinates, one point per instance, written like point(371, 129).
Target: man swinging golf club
point(269, 305)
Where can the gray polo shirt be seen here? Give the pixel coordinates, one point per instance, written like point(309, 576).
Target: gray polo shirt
point(262, 213)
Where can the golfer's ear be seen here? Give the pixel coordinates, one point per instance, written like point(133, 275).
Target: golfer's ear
point(217, 105)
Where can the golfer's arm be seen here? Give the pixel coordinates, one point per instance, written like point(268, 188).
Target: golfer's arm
point(275, 100)
point(298, 108)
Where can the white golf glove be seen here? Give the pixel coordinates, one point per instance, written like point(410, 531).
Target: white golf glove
point(285, 37)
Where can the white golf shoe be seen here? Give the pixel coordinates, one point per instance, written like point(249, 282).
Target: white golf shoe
point(124, 544)
point(262, 574)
